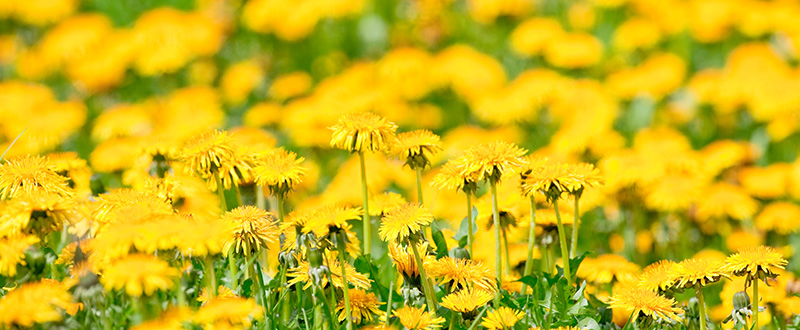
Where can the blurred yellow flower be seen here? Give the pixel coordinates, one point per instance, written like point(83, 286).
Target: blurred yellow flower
point(573, 51)
point(34, 303)
point(139, 274)
point(290, 85)
point(240, 79)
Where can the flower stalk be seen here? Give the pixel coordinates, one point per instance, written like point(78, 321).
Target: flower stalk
point(563, 241)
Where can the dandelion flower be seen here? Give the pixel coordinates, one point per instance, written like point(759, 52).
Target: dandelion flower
point(363, 131)
point(462, 274)
point(34, 303)
point(697, 272)
point(38, 212)
point(493, 160)
point(467, 301)
point(404, 260)
point(231, 312)
point(301, 274)
point(222, 293)
point(139, 274)
point(330, 219)
point(382, 203)
point(606, 268)
point(722, 199)
point(454, 175)
point(756, 262)
point(656, 277)
point(27, 173)
point(12, 252)
point(553, 179)
point(403, 221)
point(280, 170)
point(643, 302)
point(172, 319)
point(502, 318)
point(209, 154)
point(780, 217)
point(417, 318)
point(416, 147)
point(252, 229)
point(362, 305)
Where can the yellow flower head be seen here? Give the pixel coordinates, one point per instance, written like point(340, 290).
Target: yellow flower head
point(12, 252)
point(656, 277)
point(404, 221)
point(466, 301)
point(417, 318)
point(34, 303)
point(697, 272)
point(252, 229)
point(228, 312)
point(38, 212)
point(454, 175)
point(300, 274)
point(382, 203)
point(416, 147)
point(493, 160)
point(555, 179)
point(280, 170)
point(209, 154)
point(781, 217)
point(330, 219)
point(462, 274)
point(139, 274)
point(28, 173)
point(607, 268)
point(404, 259)
point(171, 319)
point(363, 131)
point(756, 262)
point(643, 302)
point(222, 293)
point(502, 318)
point(68, 253)
point(362, 305)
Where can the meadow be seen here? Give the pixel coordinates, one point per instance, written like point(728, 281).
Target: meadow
point(399, 164)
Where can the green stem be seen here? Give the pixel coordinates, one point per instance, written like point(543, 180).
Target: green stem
point(317, 309)
point(498, 259)
point(223, 204)
point(389, 300)
point(531, 244)
point(469, 223)
point(508, 258)
point(238, 195)
point(563, 240)
point(453, 317)
point(574, 246)
point(261, 202)
point(233, 268)
point(419, 186)
point(212, 276)
point(426, 284)
point(755, 304)
point(280, 208)
point(256, 278)
point(345, 286)
point(701, 302)
point(365, 219)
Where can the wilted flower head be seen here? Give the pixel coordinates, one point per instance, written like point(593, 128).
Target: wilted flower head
point(416, 147)
point(363, 131)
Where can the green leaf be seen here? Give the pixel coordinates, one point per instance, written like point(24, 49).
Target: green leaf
point(529, 280)
point(438, 239)
point(588, 323)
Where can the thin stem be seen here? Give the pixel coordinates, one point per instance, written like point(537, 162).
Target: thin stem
point(233, 268)
point(389, 300)
point(261, 202)
point(574, 246)
point(531, 244)
point(508, 259)
point(563, 240)
point(212, 276)
point(365, 218)
point(469, 223)
point(238, 195)
point(453, 317)
point(280, 208)
point(426, 284)
point(419, 186)
point(701, 302)
point(755, 304)
point(498, 259)
point(256, 277)
point(341, 245)
point(221, 193)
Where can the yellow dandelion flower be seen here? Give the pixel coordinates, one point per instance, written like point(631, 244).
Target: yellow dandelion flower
point(172, 319)
point(466, 301)
point(27, 173)
point(74, 168)
point(417, 318)
point(780, 217)
point(208, 154)
point(202, 237)
point(126, 205)
point(363, 131)
point(38, 212)
point(643, 302)
point(329, 219)
point(454, 175)
point(301, 274)
point(755, 261)
point(697, 272)
point(34, 303)
point(493, 160)
point(362, 305)
point(722, 199)
point(607, 268)
point(416, 147)
point(12, 252)
point(280, 170)
point(222, 293)
point(231, 311)
point(502, 318)
point(553, 179)
point(68, 254)
point(139, 274)
point(252, 229)
point(656, 277)
point(462, 274)
point(381, 203)
point(404, 259)
point(404, 221)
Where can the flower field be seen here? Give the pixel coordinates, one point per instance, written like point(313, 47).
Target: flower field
point(400, 164)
